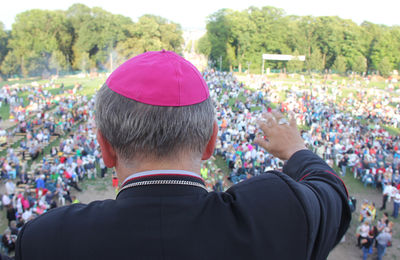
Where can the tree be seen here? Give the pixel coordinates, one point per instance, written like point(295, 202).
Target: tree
point(315, 61)
point(239, 43)
point(98, 36)
point(151, 33)
point(359, 65)
point(78, 15)
point(382, 48)
point(302, 37)
point(57, 61)
point(203, 45)
point(267, 37)
point(328, 34)
point(218, 32)
point(35, 35)
point(385, 67)
point(295, 65)
point(4, 36)
point(339, 65)
point(80, 38)
point(10, 65)
point(84, 38)
point(82, 61)
point(241, 37)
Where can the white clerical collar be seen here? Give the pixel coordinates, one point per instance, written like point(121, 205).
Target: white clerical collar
point(161, 172)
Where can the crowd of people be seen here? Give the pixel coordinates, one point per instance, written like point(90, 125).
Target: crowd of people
point(373, 233)
point(366, 150)
point(347, 133)
point(344, 130)
point(39, 179)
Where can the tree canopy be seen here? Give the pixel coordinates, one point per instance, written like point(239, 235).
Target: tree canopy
point(80, 38)
point(328, 42)
point(83, 38)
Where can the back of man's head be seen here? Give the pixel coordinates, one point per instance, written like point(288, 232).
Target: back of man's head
point(155, 105)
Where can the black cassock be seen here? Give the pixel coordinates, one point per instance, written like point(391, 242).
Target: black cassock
point(301, 214)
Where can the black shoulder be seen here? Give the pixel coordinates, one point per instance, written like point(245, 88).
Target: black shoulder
point(271, 188)
point(52, 217)
point(59, 216)
point(52, 225)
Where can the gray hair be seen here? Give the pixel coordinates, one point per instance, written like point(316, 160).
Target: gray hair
point(137, 130)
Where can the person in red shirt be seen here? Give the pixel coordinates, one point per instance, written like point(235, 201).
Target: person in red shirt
point(63, 159)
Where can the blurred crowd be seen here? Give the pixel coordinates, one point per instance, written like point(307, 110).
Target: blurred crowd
point(52, 147)
point(346, 131)
point(357, 144)
point(372, 232)
point(57, 150)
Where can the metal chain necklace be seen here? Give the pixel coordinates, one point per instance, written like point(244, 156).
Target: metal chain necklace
point(162, 182)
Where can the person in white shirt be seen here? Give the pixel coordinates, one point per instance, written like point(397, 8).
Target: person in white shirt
point(67, 149)
point(388, 192)
point(10, 187)
point(396, 204)
point(5, 200)
point(363, 231)
point(27, 215)
point(39, 136)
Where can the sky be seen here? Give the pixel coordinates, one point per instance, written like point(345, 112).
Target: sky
point(193, 14)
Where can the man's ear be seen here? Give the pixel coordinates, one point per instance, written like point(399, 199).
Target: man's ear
point(107, 151)
point(211, 144)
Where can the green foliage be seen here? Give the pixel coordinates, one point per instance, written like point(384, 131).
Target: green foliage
point(385, 67)
point(359, 64)
point(203, 45)
point(35, 36)
point(83, 38)
point(96, 36)
point(384, 44)
point(4, 36)
point(9, 65)
point(218, 32)
point(329, 34)
point(241, 37)
point(295, 65)
point(339, 65)
point(314, 61)
point(150, 33)
point(392, 130)
point(80, 38)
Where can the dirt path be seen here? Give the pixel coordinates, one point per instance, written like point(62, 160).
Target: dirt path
point(7, 123)
point(98, 189)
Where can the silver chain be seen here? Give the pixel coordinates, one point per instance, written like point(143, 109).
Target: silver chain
point(162, 182)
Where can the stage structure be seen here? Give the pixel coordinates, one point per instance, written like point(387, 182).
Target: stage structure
point(280, 57)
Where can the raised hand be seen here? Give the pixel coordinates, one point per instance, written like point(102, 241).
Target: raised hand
point(281, 138)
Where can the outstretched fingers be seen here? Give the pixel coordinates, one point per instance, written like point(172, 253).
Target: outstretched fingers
point(261, 141)
point(292, 119)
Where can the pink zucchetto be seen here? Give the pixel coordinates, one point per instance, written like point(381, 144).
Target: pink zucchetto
point(159, 78)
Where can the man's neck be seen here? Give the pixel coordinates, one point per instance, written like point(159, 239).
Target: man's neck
point(124, 171)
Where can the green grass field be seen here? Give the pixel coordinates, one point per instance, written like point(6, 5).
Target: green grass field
point(89, 88)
